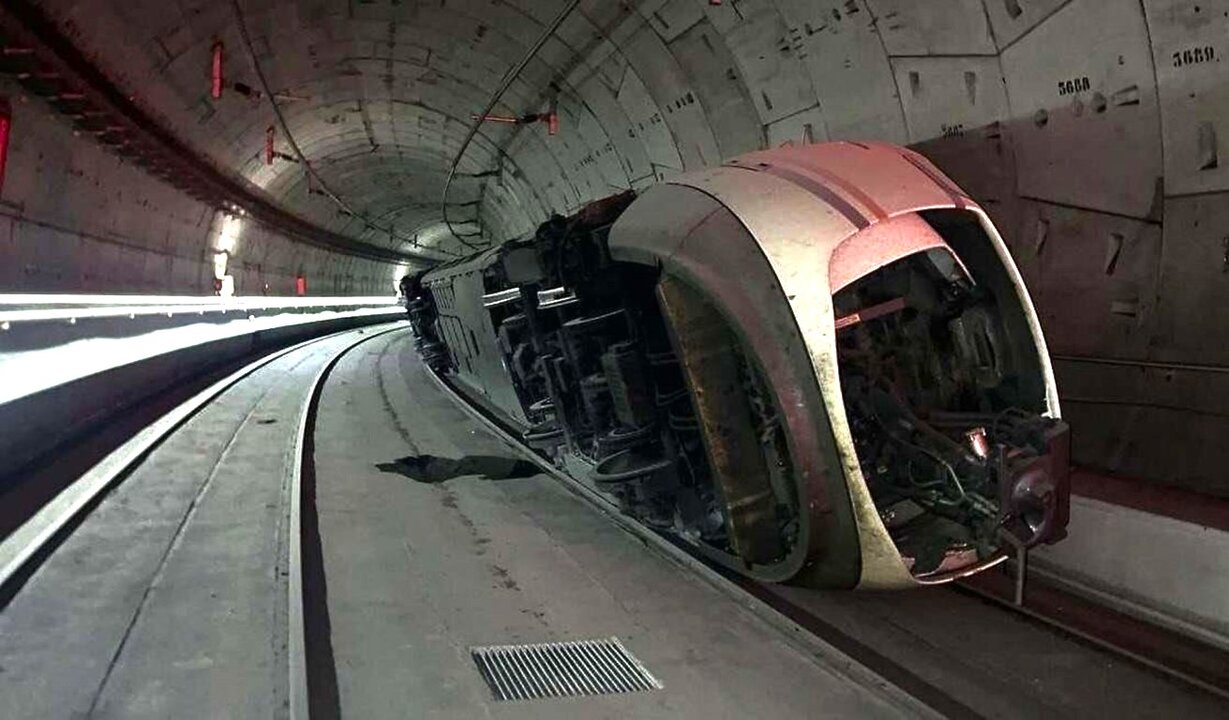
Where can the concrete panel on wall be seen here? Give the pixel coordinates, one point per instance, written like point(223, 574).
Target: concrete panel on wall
point(569, 149)
point(1182, 430)
point(956, 109)
point(648, 126)
point(186, 276)
point(1100, 402)
point(81, 219)
point(727, 15)
point(541, 171)
point(609, 65)
point(1163, 424)
point(722, 91)
point(1188, 42)
point(667, 84)
point(125, 270)
point(600, 154)
point(1011, 19)
point(934, 27)
point(153, 272)
point(1193, 302)
point(776, 80)
point(1093, 278)
point(513, 200)
point(1081, 89)
point(849, 68)
point(10, 268)
point(600, 98)
point(981, 162)
point(47, 257)
point(671, 18)
point(801, 128)
point(949, 96)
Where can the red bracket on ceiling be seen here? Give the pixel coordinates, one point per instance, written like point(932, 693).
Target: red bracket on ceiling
point(550, 119)
point(219, 81)
point(269, 152)
point(47, 65)
point(6, 125)
point(509, 119)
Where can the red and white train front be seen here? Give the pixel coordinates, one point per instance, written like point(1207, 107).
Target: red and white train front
point(815, 364)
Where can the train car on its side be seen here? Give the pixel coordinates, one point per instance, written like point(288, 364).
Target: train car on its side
point(814, 364)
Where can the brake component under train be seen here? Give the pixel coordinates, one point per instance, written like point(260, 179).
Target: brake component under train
point(814, 364)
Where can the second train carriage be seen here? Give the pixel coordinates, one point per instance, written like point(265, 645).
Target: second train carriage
point(815, 364)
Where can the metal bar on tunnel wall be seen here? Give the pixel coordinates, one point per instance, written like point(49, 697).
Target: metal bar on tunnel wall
point(1149, 364)
point(6, 127)
point(48, 65)
point(217, 78)
point(506, 83)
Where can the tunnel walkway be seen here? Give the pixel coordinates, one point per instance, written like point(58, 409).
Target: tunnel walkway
point(425, 536)
point(483, 550)
point(438, 537)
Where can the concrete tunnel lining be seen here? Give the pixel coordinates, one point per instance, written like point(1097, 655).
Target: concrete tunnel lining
point(1087, 129)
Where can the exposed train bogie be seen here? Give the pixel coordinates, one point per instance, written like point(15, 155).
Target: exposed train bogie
point(814, 364)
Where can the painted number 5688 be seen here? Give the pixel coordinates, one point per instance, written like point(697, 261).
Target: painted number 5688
point(1075, 85)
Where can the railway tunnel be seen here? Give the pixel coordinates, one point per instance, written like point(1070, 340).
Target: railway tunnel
point(232, 487)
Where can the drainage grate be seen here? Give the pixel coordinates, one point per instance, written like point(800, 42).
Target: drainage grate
point(567, 669)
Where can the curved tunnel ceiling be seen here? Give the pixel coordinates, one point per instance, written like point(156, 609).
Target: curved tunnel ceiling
point(380, 93)
point(377, 95)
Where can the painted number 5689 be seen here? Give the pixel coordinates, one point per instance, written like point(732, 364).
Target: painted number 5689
point(1191, 56)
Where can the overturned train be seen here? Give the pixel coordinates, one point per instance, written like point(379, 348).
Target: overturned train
point(812, 364)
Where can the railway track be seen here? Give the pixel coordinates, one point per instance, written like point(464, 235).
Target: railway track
point(829, 622)
point(842, 628)
point(56, 551)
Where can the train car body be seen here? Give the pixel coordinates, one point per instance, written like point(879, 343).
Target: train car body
point(815, 364)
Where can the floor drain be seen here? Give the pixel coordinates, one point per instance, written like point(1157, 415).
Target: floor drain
point(566, 669)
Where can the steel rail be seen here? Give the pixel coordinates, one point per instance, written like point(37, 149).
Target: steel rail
point(1145, 364)
point(830, 657)
point(300, 695)
point(1076, 589)
point(20, 550)
point(24, 544)
point(797, 622)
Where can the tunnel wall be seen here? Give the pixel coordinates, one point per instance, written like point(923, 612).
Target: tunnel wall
point(1088, 129)
point(74, 218)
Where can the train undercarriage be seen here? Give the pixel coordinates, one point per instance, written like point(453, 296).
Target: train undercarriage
point(633, 378)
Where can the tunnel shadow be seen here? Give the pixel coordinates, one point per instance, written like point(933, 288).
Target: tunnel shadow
point(433, 469)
